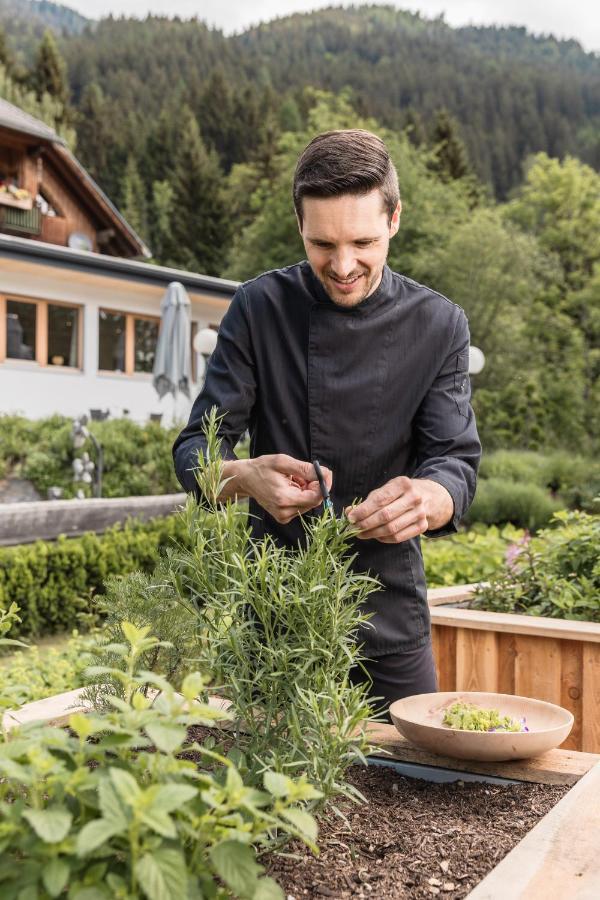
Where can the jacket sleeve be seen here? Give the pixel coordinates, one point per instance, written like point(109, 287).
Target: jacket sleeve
point(447, 444)
point(230, 386)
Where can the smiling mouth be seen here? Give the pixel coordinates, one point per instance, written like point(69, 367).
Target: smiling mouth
point(345, 281)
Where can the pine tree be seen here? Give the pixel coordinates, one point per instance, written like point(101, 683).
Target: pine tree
point(133, 192)
point(199, 231)
point(452, 161)
point(49, 74)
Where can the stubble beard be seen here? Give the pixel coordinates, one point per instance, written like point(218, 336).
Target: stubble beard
point(371, 281)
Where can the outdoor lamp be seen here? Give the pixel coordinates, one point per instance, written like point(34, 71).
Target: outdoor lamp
point(205, 341)
point(476, 360)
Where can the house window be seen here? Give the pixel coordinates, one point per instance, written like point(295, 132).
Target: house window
point(39, 331)
point(111, 350)
point(145, 336)
point(127, 342)
point(63, 336)
point(21, 320)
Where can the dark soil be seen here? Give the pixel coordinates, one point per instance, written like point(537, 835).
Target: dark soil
point(413, 839)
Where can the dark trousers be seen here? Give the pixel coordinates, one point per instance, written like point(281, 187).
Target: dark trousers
point(397, 675)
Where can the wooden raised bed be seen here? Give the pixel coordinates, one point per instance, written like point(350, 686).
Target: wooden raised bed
point(546, 862)
point(557, 660)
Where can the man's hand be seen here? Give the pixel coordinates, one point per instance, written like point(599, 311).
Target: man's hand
point(284, 486)
point(402, 509)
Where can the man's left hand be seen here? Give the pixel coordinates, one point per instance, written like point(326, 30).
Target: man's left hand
point(402, 509)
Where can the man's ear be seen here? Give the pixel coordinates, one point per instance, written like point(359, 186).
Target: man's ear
point(395, 220)
point(299, 221)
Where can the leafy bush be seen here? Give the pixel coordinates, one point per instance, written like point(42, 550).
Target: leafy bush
point(469, 556)
point(498, 501)
point(556, 574)
point(53, 582)
point(574, 480)
point(137, 458)
point(110, 808)
point(33, 673)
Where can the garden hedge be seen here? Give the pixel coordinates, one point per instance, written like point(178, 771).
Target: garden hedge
point(53, 582)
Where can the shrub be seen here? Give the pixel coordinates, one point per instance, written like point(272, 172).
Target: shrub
point(53, 582)
point(278, 630)
point(498, 502)
point(469, 556)
point(125, 814)
point(556, 574)
point(137, 458)
point(574, 480)
point(33, 673)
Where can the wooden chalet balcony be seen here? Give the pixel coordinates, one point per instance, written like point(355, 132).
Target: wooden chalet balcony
point(20, 221)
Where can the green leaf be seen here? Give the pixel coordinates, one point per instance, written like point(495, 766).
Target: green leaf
point(236, 864)
point(110, 804)
point(126, 786)
point(133, 634)
point(90, 893)
point(172, 796)
point(51, 824)
point(167, 738)
point(303, 821)
point(159, 822)
point(268, 889)
point(55, 875)
point(163, 874)
point(96, 833)
point(276, 784)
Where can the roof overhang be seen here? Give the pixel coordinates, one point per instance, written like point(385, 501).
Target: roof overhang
point(84, 261)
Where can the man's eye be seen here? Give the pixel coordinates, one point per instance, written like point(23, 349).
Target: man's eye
point(364, 243)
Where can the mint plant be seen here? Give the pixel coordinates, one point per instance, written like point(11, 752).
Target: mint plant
point(111, 809)
point(279, 630)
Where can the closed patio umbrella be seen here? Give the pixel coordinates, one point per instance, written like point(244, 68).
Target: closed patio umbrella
point(172, 370)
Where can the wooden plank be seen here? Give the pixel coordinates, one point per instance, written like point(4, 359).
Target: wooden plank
point(452, 594)
point(516, 624)
point(554, 767)
point(22, 523)
point(476, 660)
point(538, 668)
point(571, 689)
point(590, 712)
point(444, 651)
point(559, 858)
point(507, 652)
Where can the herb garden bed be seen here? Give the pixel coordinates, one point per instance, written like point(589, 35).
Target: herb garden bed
point(418, 839)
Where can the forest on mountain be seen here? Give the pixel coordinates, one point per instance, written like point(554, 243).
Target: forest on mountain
point(495, 134)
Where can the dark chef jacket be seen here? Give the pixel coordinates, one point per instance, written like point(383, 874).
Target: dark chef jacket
point(373, 391)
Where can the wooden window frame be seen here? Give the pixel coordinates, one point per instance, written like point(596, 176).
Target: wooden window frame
point(130, 318)
point(41, 332)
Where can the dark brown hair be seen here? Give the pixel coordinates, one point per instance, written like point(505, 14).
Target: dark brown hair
point(345, 162)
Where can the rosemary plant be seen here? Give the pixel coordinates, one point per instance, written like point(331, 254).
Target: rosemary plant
point(277, 628)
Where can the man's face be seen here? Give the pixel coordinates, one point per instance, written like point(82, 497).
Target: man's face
point(346, 240)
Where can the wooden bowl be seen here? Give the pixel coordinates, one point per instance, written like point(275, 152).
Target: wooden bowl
point(419, 719)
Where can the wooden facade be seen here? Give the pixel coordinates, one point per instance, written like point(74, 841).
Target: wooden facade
point(62, 199)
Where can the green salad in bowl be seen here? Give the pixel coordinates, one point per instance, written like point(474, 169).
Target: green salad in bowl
point(468, 717)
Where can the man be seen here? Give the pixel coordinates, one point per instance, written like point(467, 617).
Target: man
point(340, 359)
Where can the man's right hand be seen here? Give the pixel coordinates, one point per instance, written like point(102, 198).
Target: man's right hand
point(285, 487)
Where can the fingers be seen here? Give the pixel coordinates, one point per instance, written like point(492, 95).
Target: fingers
point(386, 514)
point(401, 529)
point(299, 470)
point(382, 497)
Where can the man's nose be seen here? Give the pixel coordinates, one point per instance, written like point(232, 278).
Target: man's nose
point(343, 263)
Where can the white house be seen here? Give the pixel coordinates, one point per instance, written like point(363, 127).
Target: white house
point(86, 330)
point(79, 314)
